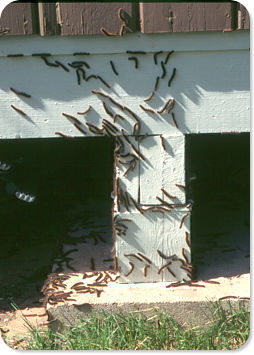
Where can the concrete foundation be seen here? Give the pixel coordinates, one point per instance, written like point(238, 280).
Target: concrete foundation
point(188, 304)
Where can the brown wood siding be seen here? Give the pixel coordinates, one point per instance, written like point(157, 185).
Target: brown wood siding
point(186, 17)
point(19, 19)
point(88, 18)
point(243, 18)
point(48, 19)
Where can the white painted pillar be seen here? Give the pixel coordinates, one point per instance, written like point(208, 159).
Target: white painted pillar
point(152, 239)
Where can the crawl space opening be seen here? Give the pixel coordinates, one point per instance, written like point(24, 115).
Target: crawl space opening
point(56, 215)
point(218, 181)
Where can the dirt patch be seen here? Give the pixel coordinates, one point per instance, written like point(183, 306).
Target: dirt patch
point(14, 327)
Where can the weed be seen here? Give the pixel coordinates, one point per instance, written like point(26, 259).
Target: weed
point(229, 329)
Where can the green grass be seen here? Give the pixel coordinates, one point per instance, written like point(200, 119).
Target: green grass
point(101, 331)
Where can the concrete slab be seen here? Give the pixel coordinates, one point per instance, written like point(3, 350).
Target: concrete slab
point(188, 303)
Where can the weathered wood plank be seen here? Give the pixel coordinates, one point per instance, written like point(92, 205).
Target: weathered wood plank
point(219, 16)
point(185, 17)
point(48, 19)
point(88, 18)
point(19, 19)
point(243, 18)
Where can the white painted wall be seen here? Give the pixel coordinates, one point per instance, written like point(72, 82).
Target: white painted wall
point(210, 88)
point(211, 93)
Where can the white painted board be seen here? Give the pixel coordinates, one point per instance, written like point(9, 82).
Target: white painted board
point(162, 169)
point(99, 44)
point(146, 234)
point(210, 89)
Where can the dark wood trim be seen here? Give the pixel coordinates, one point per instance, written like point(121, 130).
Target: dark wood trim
point(19, 19)
point(48, 19)
point(243, 17)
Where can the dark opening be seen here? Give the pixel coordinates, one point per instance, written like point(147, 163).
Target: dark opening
point(218, 180)
point(72, 181)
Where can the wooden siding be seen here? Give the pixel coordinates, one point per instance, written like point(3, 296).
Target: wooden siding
point(243, 18)
point(48, 19)
point(88, 18)
point(19, 19)
point(187, 17)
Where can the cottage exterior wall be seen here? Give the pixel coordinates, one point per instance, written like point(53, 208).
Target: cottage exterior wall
point(210, 94)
